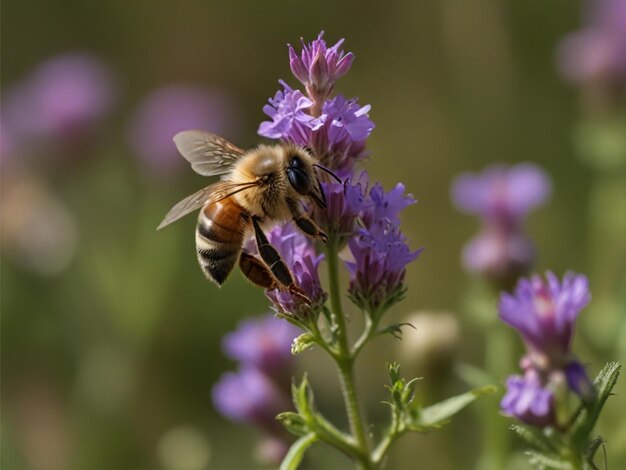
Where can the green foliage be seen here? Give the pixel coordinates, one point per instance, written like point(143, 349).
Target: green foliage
point(296, 452)
point(588, 415)
point(302, 343)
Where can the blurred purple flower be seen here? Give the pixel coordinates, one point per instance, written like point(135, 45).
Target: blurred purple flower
point(174, 108)
point(299, 254)
point(544, 313)
point(319, 66)
point(528, 400)
point(380, 250)
point(499, 255)
point(597, 52)
point(250, 396)
point(289, 119)
point(62, 101)
point(264, 343)
point(502, 196)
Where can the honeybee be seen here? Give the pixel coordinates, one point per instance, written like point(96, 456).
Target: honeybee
point(258, 188)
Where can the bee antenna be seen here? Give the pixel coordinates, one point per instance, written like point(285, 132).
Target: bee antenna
point(330, 172)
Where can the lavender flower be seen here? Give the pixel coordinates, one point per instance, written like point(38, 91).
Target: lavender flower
point(528, 400)
point(502, 197)
point(502, 194)
point(171, 109)
point(380, 251)
point(597, 52)
point(344, 203)
point(264, 343)
point(334, 128)
point(319, 66)
point(544, 313)
point(62, 101)
point(289, 119)
point(299, 254)
point(249, 396)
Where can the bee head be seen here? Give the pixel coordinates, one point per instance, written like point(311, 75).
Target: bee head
point(302, 178)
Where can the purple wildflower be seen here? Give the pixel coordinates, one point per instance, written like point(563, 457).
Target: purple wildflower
point(344, 203)
point(597, 52)
point(528, 400)
point(319, 66)
point(62, 101)
point(502, 194)
point(380, 251)
point(264, 343)
point(502, 197)
point(171, 109)
point(250, 396)
point(340, 133)
point(289, 119)
point(544, 313)
point(299, 254)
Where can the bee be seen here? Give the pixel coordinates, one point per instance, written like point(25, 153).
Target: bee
point(258, 188)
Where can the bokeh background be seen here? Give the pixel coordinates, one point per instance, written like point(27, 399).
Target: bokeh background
point(111, 337)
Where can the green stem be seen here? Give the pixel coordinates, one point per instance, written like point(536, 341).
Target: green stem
point(344, 359)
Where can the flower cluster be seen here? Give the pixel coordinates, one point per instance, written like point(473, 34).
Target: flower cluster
point(597, 52)
point(502, 197)
point(544, 313)
point(380, 251)
point(335, 128)
point(259, 390)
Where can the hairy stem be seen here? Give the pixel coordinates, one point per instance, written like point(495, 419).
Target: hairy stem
point(344, 359)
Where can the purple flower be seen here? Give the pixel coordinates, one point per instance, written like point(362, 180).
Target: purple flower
point(499, 255)
point(264, 343)
point(319, 66)
point(528, 400)
point(62, 101)
point(544, 312)
point(380, 251)
point(502, 194)
point(597, 52)
point(502, 197)
point(344, 203)
point(174, 108)
point(299, 254)
point(250, 396)
point(289, 119)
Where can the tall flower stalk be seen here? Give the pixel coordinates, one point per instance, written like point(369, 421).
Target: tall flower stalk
point(362, 222)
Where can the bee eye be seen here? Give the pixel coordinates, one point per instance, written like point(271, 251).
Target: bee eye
point(299, 180)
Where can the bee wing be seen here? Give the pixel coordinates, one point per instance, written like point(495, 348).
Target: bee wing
point(209, 154)
point(209, 195)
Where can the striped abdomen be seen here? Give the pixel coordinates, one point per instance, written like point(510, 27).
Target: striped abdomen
point(219, 238)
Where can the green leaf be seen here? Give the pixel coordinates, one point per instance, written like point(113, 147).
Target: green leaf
point(536, 438)
point(303, 398)
point(394, 330)
point(589, 414)
point(472, 375)
point(302, 343)
point(436, 415)
point(294, 423)
point(296, 452)
point(543, 461)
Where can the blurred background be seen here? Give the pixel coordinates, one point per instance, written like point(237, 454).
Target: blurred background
point(111, 336)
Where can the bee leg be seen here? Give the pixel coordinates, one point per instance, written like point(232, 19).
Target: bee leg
point(257, 272)
point(306, 224)
point(272, 258)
